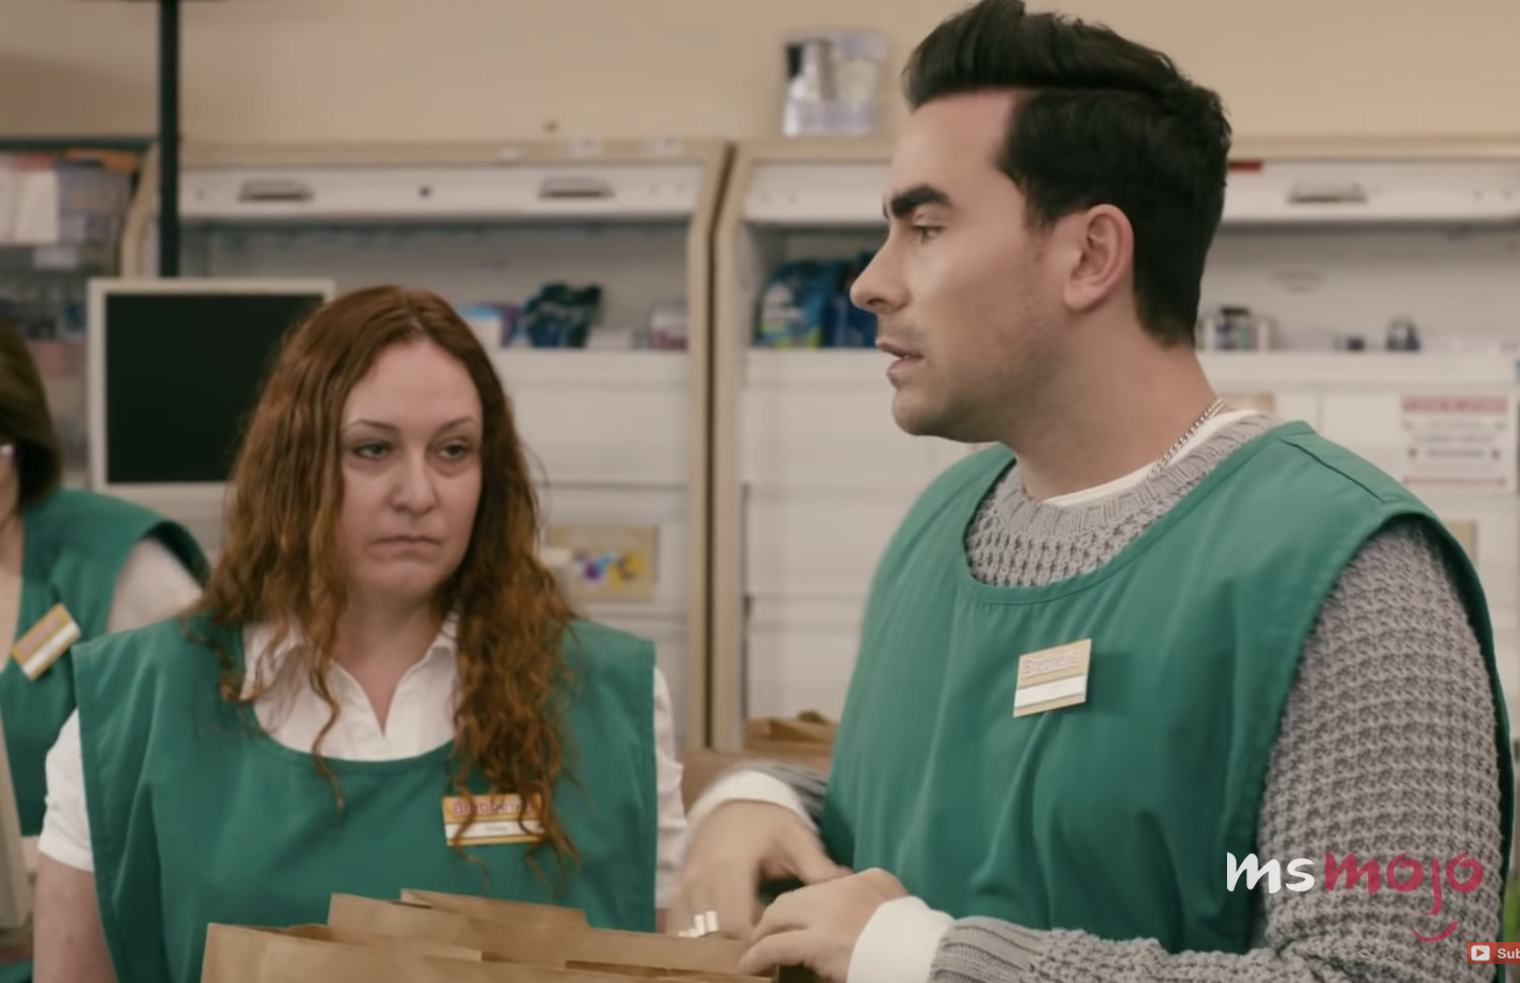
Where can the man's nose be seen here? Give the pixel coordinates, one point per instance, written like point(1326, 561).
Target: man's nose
point(878, 288)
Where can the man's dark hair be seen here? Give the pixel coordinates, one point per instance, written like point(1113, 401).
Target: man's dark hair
point(1100, 120)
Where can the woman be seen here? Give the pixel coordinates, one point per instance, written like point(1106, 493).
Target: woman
point(378, 648)
point(73, 565)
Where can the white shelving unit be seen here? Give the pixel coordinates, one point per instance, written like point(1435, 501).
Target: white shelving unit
point(619, 436)
point(806, 486)
point(811, 475)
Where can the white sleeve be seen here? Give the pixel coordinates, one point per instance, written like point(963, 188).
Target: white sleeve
point(668, 771)
point(748, 785)
point(66, 824)
point(153, 585)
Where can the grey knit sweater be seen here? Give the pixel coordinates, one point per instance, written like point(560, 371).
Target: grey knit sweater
point(1386, 748)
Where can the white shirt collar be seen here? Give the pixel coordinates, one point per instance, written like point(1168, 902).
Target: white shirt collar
point(1128, 481)
point(263, 659)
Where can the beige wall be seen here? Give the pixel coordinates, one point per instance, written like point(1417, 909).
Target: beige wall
point(275, 70)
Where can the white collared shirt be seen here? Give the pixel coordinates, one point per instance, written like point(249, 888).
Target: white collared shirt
point(420, 720)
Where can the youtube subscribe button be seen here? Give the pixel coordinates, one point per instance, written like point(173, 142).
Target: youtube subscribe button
point(1493, 954)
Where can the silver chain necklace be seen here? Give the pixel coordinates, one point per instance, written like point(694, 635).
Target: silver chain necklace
point(1208, 414)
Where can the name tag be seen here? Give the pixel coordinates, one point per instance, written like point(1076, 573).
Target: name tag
point(37, 650)
point(1052, 678)
point(498, 819)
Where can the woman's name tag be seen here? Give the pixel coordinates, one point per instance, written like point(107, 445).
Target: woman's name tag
point(498, 819)
point(37, 650)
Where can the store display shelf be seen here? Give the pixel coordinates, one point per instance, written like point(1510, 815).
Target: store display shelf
point(549, 368)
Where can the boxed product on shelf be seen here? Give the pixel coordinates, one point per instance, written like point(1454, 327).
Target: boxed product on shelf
point(430, 937)
point(494, 324)
point(1236, 328)
point(560, 316)
point(669, 325)
point(807, 304)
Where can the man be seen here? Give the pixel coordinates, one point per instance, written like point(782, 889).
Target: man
point(1171, 642)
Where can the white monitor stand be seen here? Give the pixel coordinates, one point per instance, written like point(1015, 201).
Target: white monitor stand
point(15, 876)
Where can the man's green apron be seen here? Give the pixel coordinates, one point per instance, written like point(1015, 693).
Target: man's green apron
point(1113, 816)
point(196, 817)
point(75, 544)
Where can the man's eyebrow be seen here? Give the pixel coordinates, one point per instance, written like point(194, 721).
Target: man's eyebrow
point(904, 203)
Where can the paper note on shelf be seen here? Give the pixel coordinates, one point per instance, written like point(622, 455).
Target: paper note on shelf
point(35, 208)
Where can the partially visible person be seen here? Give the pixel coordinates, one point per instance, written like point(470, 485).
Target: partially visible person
point(74, 565)
point(383, 688)
point(1146, 639)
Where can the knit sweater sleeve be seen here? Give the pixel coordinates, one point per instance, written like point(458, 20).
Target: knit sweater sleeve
point(1386, 747)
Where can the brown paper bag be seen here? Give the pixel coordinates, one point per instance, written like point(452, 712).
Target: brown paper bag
point(417, 947)
point(255, 955)
point(659, 973)
point(528, 943)
point(548, 917)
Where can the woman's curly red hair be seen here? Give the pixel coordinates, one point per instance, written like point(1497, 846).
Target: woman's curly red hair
point(279, 565)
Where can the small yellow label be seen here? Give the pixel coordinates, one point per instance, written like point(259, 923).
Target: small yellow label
point(37, 650)
point(1052, 678)
point(498, 819)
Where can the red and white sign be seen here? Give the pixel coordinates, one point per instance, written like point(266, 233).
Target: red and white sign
point(1459, 443)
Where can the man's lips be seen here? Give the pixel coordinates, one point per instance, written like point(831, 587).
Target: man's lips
point(895, 350)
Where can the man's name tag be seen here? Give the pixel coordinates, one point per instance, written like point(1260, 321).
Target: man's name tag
point(37, 650)
point(1052, 678)
point(498, 819)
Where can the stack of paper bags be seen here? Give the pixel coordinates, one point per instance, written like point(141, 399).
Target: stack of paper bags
point(426, 937)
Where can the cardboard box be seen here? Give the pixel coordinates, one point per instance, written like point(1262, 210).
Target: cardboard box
point(808, 730)
point(807, 739)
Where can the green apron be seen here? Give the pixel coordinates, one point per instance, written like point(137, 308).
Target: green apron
point(76, 543)
point(196, 817)
point(1113, 816)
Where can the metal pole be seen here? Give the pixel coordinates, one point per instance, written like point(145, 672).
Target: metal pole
point(168, 138)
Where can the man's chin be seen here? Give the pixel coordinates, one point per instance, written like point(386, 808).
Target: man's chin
point(918, 421)
point(913, 420)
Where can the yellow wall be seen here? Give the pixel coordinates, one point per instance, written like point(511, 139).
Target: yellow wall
point(276, 70)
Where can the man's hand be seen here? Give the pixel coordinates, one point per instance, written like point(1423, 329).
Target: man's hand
point(818, 926)
point(740, 846)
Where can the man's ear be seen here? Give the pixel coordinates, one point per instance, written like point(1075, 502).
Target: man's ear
point(1104, 243)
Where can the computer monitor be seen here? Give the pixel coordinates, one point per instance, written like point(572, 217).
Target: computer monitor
point(175, 367)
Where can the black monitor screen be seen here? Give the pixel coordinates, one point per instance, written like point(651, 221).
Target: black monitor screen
point(182, 373)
